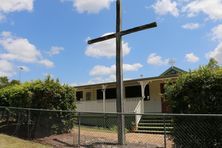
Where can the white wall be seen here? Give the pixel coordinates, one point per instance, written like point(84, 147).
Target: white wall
point(154, 104)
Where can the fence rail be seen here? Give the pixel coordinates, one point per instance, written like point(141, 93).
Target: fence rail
point(65, 128)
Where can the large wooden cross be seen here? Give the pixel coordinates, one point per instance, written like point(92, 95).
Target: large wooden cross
point(119, 65)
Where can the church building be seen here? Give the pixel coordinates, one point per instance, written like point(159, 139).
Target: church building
point(143, 95)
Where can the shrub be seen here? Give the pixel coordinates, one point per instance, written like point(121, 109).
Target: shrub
point(46, 94)
point(197, 92)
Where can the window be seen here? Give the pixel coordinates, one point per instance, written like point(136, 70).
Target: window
point(111, 93)
point(133, 91)
point(79, 95)
point(99, 94)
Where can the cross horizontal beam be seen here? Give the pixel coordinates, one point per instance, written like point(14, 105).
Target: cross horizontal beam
point(124, 32)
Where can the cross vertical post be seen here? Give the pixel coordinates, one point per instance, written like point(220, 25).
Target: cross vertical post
point(119, 65)
point(119, 75)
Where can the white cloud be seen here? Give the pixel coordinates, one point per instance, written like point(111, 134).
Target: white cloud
point(163, 7)
point(102, 79)
point(217, 33)
point(106, 49)
point(6, 68)
point(7, 6)
point(102, 74)
point(100, 70)
point(216, 54)
point(212, 8)
point(55, 50)
point(46, 63)
point(20, 49)
point(6, 34)
point(132, 67)
point(191, 57)
point(191, 26)
point(154, 59)
point(91, 6)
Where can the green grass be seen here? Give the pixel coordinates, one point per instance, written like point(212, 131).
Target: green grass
point(13, 142)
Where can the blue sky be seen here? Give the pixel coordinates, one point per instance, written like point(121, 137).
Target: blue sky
point(49, 37)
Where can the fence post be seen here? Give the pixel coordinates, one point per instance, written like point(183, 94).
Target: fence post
point(104, 120)
point(79, 123)
point(29, 121)
point(164, 125)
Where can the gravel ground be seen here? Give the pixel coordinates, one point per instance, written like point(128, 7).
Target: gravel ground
point(103, 139)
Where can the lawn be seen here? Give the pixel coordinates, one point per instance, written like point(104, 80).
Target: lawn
point(12, 142)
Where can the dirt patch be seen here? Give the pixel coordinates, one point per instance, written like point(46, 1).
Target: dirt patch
point(94, 138)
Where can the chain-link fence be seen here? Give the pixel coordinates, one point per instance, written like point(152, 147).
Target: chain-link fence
point(72, 129)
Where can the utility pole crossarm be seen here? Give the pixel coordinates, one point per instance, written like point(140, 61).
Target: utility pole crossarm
point(124, 32)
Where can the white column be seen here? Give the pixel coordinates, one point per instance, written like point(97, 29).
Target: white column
point(143, 86)
point(104, 97)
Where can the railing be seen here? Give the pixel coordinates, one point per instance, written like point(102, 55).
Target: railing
point(131, 105)
point(110, 105)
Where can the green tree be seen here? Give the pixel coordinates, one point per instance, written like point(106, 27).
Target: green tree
point(197, 92)
point(15, 96)
point(15, 82)
point(213, 64)
point(4, 82)
point(42, 94)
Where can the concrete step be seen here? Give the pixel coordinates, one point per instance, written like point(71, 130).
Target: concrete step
point(152, 132)
point(158, 128)
point(154, 124)
point(155, 117)
point(155, 121)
